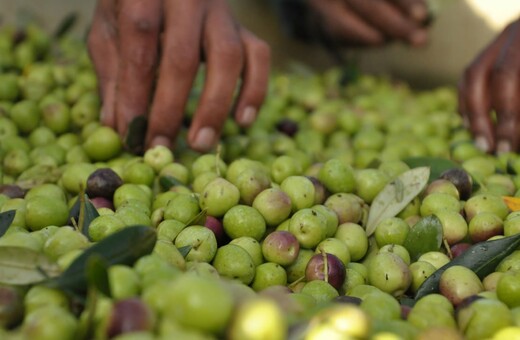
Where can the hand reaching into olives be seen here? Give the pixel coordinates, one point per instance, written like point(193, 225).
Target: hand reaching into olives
point(147, 53)
point(492, 83)
point(373, 22)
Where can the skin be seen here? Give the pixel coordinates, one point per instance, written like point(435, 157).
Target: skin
point(147, 53)
point(373, 22)
point(492, 83)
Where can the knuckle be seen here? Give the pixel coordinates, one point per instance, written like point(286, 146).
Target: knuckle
point(180, 60)
point(142, 23)
point(229, 52)
point(261, 50)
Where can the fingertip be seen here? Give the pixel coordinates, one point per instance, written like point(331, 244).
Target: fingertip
point(504, 146)
point(482, 143)
point(204, 139)
point(247, 116)
point(160, 140)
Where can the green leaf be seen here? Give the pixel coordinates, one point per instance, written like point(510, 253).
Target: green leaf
point(134, 140)
point(122, 247)
point(97, 274)
point(482, 258)
point(167, 182)
point(87, 213)
point(24, 266)
point(6, 218)
point(66, 24)
point(184, 250)
point(425, 236)
point(437, 165)
point(396, 195)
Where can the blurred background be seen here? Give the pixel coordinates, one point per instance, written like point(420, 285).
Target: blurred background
point(461, 28)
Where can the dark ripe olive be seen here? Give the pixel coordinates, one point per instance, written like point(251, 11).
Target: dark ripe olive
point(103, 183)
point(11, 307)
point(316, 268)
point(353, 300)
point(321, 193)
point(287, 126)
point(12, 191)
point(461, 179)
point(129, 315)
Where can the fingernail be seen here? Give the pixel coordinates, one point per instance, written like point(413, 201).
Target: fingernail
point(481, 143)
point(504, 146)
point(418, 37)
point(248, 116)
point(205, 139)
point(161, 140)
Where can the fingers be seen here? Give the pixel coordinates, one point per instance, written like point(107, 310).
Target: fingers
point(505, 90)
point(224, 58)
point(179, 63)
point(345, 25)
point(103, 51)
point(255, 78)
point(138, 27)
point(389, 20)
point(417, 10)
point(475, 95)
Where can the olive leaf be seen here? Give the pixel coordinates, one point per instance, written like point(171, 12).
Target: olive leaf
point(396, 195)
point(482, 258)
point(122, 247)
point(184, 250)
point(134, 140)
point(66, 24)
point(24, 266)
point(97, 274)
point(437, 165)
point(424, 236)
point(166, 182)
point(83, 212)
point(6, 218)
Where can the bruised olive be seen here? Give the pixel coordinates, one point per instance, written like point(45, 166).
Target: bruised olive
point(461, 179)
point(11, 307)
point(130, 315)
point(12, 191)
point(103, 183)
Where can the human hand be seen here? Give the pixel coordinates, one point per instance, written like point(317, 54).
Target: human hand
point(373, 22)
point(492, 83)
point(147, 53)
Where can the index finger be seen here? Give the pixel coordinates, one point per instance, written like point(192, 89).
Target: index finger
point(139, 26)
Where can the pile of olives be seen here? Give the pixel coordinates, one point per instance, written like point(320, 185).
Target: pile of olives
point(264, 238)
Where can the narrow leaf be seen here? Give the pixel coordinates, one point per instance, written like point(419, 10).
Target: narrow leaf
point(482, 258)
point(425, 236)
point(6, 218)
point(167, 182)
point(66, 25)
point(89, 214)
point(184, 250)
point(437, 165)
point(24, 266)
point(396, 195)
point(97, 274)
point(513, 203)
point(122, 247)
